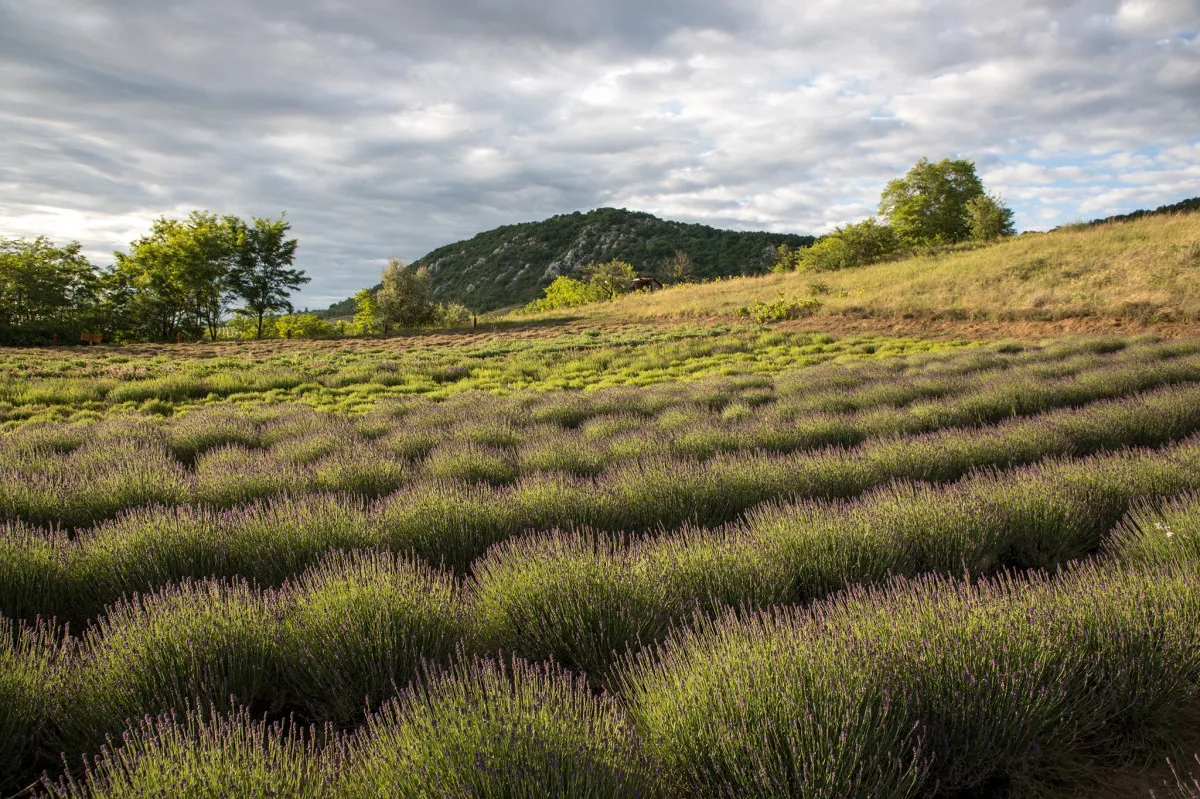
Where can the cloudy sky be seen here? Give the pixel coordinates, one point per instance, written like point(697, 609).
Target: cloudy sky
point(390, 127)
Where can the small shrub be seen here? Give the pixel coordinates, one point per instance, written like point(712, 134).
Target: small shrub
point(780, 309)
point(488, 729)
point(356, 629)
point(199, 643)
point(207, 754)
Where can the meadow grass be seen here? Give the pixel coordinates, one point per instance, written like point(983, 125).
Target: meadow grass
point(100, 470)
point(29, 662)
point(584, 599)
point(452, 523)
point(367, 538)
point(267, 542)
point(205, 644)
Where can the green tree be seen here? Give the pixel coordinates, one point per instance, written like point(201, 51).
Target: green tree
point(404, 298)
point(43, 283)
point(785, 259)
point(857, 244)
point(929, 204)
point(610, 278)
point(565, 292)
point(262, 275)
point(176, 278)
point(303, 325)
point(678, 268)
point(452, 314)
point(208, 246)
point(990, 218)
point(366, 313)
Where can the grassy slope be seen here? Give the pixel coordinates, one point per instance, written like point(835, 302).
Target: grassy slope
point(1147, 269)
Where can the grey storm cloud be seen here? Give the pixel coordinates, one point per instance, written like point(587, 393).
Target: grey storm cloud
point(387, 128)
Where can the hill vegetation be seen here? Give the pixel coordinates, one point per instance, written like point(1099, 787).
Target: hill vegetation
point(511, 265)
point(1181, 207)
point(1146, 269)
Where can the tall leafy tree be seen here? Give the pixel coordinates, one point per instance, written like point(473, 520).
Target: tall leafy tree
point(176, 278)
point(154, 299)
point(610, 278)
point(405, 298)
point(366, 312)
point(43, 283)
point(929, 204)
point(209, 248)
point(261, 274)
point(678, 268)
point(990, 218)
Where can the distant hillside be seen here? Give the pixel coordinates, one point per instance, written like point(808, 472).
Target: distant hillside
point(1146, 269)
point(1183, 206)
point(512, 264)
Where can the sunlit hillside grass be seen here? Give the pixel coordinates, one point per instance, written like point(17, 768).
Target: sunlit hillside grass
point(1147, 269)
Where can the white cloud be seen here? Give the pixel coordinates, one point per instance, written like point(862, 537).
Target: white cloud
point(393, 128)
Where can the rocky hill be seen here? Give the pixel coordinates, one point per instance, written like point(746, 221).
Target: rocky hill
point(510, 265)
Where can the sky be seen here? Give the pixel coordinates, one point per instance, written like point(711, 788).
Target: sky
point(390, 127)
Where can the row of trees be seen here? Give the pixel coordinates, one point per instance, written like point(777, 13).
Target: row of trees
point(182, 278)
point(934, 205)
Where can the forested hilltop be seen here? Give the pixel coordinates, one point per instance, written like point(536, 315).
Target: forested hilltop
point(510, 265)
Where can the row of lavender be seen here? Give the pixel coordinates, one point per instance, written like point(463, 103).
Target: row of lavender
point(50, 573)
point(931, 687)
point(324, 636)
point(226, 455)
point(344, 635)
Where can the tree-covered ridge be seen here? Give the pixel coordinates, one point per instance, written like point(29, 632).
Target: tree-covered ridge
point(1181, 207)
point(510, 265)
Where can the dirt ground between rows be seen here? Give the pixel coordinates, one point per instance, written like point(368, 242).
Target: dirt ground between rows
point(1141, 781)
point(990, 331)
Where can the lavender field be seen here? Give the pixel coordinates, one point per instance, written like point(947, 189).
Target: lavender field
point(624, 563)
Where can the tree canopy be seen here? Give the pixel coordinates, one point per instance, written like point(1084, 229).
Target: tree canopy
point(41, 282)
point(929, 204)
point(180, 279)
point(405, 297)
point(261, 273)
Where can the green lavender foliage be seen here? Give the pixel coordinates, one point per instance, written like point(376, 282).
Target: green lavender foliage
point(924, 688)
point(491, 728)
point(205, 754)
point(357, 629)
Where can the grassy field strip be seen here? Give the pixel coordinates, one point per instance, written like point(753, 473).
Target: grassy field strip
point(925, 688)
point(348, 382)
point(125, 465)
point(47, 572)
point(337, 379)
point(987, 385)
point(77, 478)
point(344, 634)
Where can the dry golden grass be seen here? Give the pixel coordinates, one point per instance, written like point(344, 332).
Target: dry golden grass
point(1148, 269)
